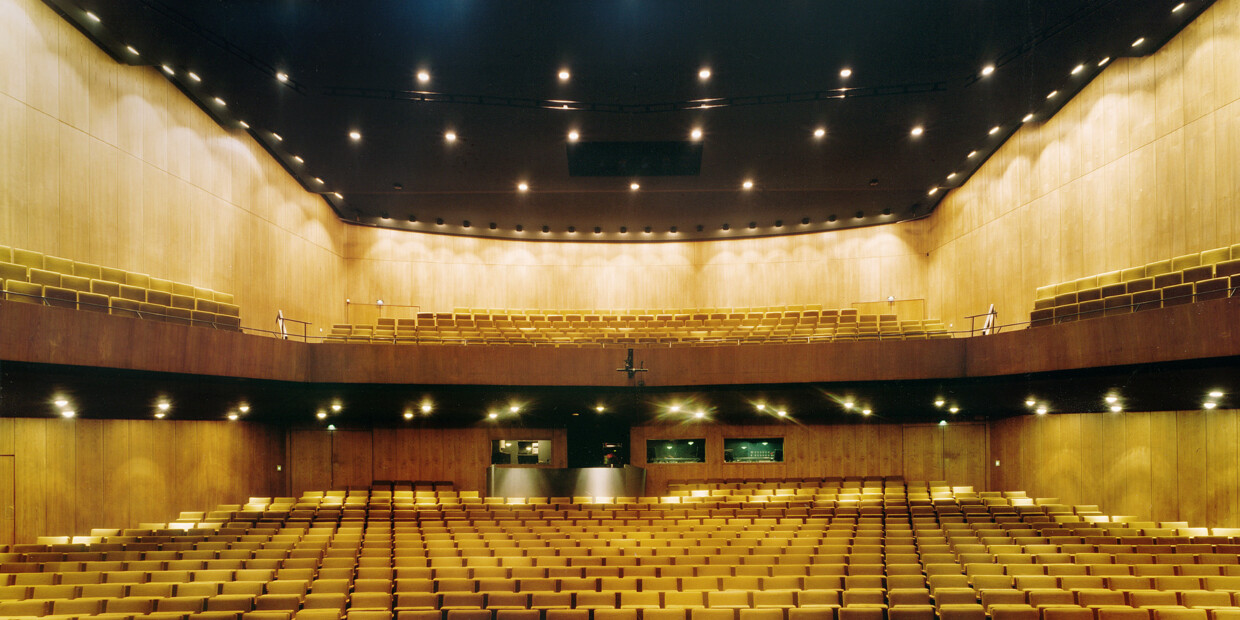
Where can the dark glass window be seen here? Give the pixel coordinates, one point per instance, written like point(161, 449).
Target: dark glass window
point(520, 451)
point(675, 451)
point(764, 450)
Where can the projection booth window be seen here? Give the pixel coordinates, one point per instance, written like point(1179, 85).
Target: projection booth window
point(520, 451)
point(675, 451)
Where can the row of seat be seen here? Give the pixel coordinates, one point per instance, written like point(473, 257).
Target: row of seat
point(32, 277)
point(665, 328)
point(930, 552)
point(1212, 274)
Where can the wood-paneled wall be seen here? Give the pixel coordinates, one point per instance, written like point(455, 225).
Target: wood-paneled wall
point(111, 164)
point(74, 475)
point(320, 459)
point(1162, 466)
point(957, 453)
point(1141, 166)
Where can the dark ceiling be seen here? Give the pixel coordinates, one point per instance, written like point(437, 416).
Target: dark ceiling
point(30, 390)
point(312, 72)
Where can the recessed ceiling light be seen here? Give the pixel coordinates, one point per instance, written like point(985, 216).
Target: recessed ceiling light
point(845, 72)
point(277, 136)
point(674, 408)
point(159, 415)
point(1052, 94)
point(243, 124)
point(167, 69)
point(355, 135)
point(408, 415)
point(1138, 42)
point(951, 176)
point(699, 414)
point(68, 413)
point(163, 406)
point(939, 402)
point(1028, 117)
point(1116, 408)
point(338, 196)
point(322, 415)
point(1104, 61)
point(988, 69)
point(318, 180)
point(1179, 7)
point(933, 191)
point(336, 407)
point(232, 416)
point(1077, 69)
point(848, 404)
point(131, 50)
point(917, 131)
point(600, 408)
point(704, 74)
point(1215, 394)
point(1209, 404)
point(93, 17)
point(564, 75)
point(993, 130)
point(1030, 402)
point(634, 186)
point(492, 415)
point(244, 408)
point(450, 136)
point(194, 76)
point(573, 136)
point(747, 184)
point(781, 413)
point(219, 101)
point(972, 154)
point(426, 408)
point(523, 186)
point(1111, 398)
point(283, 77)
point(424, 76)
point(696, 134)
point(820, 132)
point(1041, 410)
point(60, 402)
point(298, 159)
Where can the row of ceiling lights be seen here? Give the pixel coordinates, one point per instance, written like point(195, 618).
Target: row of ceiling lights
point(672, 230)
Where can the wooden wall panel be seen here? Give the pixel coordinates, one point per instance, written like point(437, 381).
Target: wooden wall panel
point(1159, 466)
point(74, 475)
point(8, 508)
point(957, 453)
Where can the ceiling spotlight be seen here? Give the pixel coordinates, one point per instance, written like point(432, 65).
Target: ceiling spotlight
point(988, 69)
point(563, 75)
point(1077, 69)
point(1116, 408)
point(971, 154)
point(1104, 61)
point(634, 186)
point(933, 191)
point(322, 415)
point(1111, 398)
point(92, 17)
point(243, 124)
point(674, 408)
point(194, 76)
point(939, 402)
point(848, 404)
point(1041, 410)
point(338, 195)
point(696, 134)
point(408, 415)
point(760, 406)
point(278, 137)
point(60, 402)
point(1179, 7)
point(163, 406)
point(699, 414)
point(1030, 402)
point(573, 136)
point(449, 136)
point(1028, 117)
point(917, 131)
point(1052, 94)
point(424, 76)
point(283, 77)
point(523, 186)
point(993, 130)
point(244, 408)
point(159, 415)
point(1215, 394)
point(232, 416)
point(298, 159)
point(951, 176)
point(747, 184)
point(492, 415)
point(600, 408)
point(866, 412)
point(704, 74)
point(845, 72)
point(68, 413)
point(167, 69)
point(953, 409)
point(820, 132)
point(131, 50)
point(336, 407)
point(1138, 42)
point(781, 413)
point(355, 135)
point(1209, 404)
point(426, 408)
point(514, 408)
